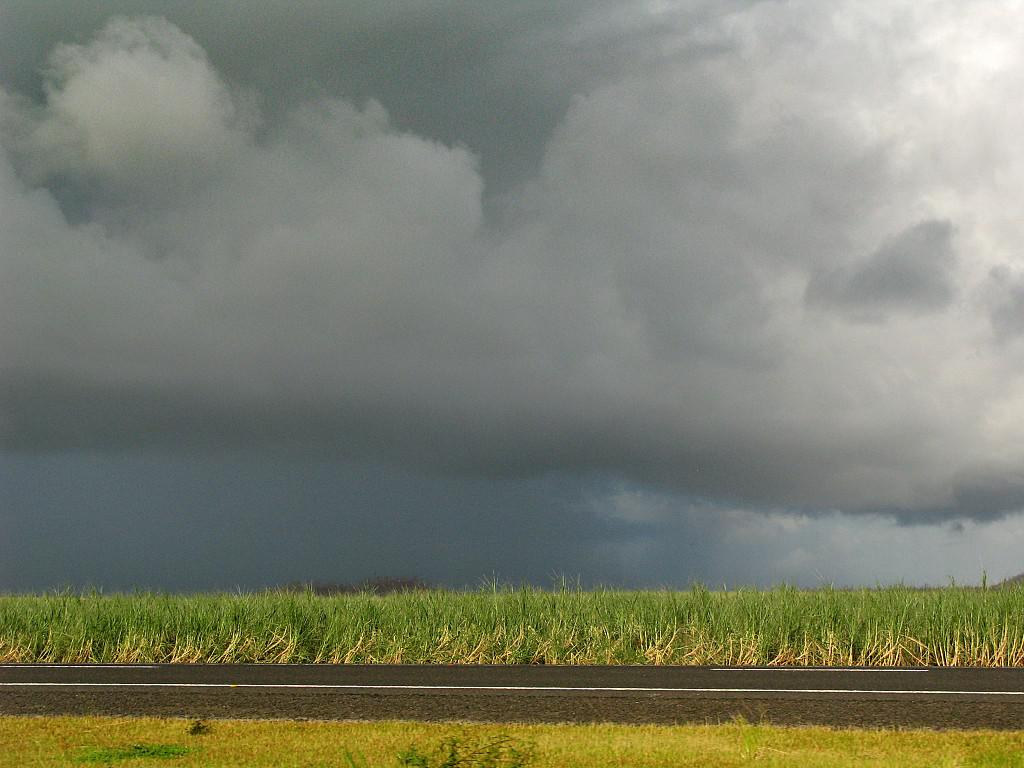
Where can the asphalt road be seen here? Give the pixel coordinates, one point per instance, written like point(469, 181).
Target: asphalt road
point(925, 697)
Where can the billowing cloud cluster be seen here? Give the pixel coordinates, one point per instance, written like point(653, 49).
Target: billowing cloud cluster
point(775, 260)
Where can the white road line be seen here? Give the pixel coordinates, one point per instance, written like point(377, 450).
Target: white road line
point(79, 666)
point(560, 689)
point(836, 670)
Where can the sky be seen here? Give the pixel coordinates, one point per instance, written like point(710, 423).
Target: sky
point(631, 293)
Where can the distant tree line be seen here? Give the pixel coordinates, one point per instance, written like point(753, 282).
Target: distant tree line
point(380, 585)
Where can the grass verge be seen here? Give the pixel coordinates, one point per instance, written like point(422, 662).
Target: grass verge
point(67, 741)
point(874, 627)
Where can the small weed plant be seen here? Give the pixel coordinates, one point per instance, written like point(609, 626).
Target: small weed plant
point(749, 738)
point(354, 760)
point(197, 727)
point(461, 751)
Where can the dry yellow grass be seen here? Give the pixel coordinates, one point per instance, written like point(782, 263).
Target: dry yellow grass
point(63, 741)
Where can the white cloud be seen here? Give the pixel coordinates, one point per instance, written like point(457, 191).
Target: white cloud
point(138, 109)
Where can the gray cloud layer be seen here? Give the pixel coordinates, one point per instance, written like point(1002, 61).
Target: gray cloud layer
point(911, 272)
point(676, 293)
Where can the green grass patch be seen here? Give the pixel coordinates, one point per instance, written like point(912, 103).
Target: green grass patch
point(877, 627)
point(107, 755)
point(34, 742)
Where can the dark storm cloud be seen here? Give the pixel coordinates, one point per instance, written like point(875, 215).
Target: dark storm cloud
point(259, 520)
point(983, 494)
point(910, 272)
point(175, 522)
point(993, 494)
point(1006, 299)
point(511, 240)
